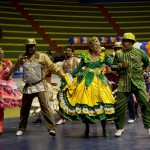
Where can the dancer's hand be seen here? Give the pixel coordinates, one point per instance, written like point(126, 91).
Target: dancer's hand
point(125, 65)
point(120, 65)
point(68, 77)
point(66, 81)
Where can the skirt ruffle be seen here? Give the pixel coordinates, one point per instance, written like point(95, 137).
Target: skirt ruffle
point(9, 95)
point(92, 103)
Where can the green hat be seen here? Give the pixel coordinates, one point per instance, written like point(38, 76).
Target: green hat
point(94, 40)
point(129, 36)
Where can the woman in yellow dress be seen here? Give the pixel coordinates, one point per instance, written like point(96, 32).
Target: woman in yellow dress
point(89, 98)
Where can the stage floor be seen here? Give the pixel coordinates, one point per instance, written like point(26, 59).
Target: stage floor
point(70, 136)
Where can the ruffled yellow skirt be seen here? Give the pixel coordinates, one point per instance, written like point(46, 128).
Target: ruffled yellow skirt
point(94, 101)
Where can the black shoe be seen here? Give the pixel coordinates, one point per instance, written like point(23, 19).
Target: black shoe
point(37, 121)
point(52, 133)
point(87, 130)
point(87, 134)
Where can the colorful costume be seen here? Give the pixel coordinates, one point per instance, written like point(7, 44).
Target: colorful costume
point(68, 65)
point(131, 81)
point(89, 98)
point(34, 66)
point(9, 95)
point(36, 86)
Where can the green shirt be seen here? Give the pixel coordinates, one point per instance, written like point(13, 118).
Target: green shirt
point(92, 68)
point(138, 61)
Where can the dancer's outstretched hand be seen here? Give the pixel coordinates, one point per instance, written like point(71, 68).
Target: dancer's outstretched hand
point(123, 65)
point(66, 81)
point(68, 78)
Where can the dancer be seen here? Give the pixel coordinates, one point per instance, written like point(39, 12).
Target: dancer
point(89, 98)
point(132, 103)
point(9, 95)
point(130, 63)
point(146, 76)
point(35, 106)
point(34, 65)
point(68, 65)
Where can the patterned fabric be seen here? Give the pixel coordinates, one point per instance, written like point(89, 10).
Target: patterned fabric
point(131, 81)
point(89, 98)
point(9, 95)
point(138, 60)
point(48, 66)
point(39, 87)
point(121, 106)
point(70, 64)
point(32, 72)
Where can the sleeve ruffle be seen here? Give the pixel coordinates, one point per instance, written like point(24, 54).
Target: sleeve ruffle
point(85, 57)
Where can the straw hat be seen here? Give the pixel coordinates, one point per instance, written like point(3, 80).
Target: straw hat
point(128, 36)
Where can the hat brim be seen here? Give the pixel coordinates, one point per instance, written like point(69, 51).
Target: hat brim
point(129, 39)
point(117, 46)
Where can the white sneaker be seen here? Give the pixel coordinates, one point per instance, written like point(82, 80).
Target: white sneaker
point(61, 121)
point(148, 131)
point(119, 132)
point(19, 132)
point(131, 120)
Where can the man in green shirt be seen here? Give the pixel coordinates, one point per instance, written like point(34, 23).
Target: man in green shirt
point(130, 63)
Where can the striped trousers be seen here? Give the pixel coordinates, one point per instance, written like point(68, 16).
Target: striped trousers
point(122, 102)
